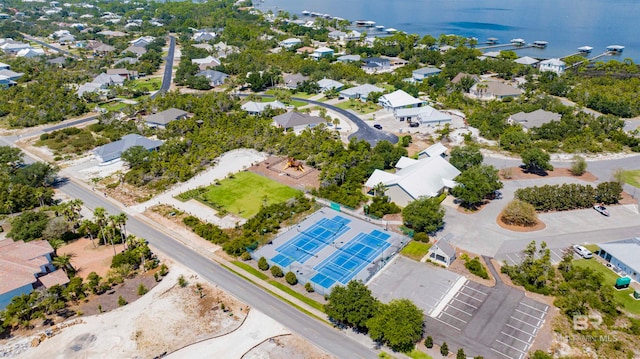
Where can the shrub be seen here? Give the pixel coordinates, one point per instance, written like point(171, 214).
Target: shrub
point(519, 213)
point(121, 301)
point(608, 192)
point(578, 166)
point(309, 288)
point(182, 281)
point(444, 349)
point(460, 354)
point(276, 272)
point(164, 270)
point(290, 277)
point(156, 276)
point(421, 237)
point(475, 267)
point(142, 290)
point(246, 256)
point(428, 342)
point(263, 264)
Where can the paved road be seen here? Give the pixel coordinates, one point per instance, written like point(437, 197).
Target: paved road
point(168, 69)
point(64, 52)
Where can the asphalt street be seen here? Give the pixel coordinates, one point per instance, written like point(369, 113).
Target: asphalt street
point(168, 68)
point(64, 52)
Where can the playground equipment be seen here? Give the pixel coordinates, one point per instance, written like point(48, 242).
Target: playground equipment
point(292, 163)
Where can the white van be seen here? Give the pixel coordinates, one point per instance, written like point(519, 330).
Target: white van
point(582, 251)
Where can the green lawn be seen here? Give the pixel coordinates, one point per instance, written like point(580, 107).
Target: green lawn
point(415, 250)
point(416, 354)
point(358, 106)
point(251, 270)
point(293, 103)
point(113, 106)
point(150, 84)
point(246, 192)
point(623, 296)
point(632, 178)
point(302, 298)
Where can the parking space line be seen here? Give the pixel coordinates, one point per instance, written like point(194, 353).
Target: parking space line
point(527, 323)
point(518, 339)
point(455, 288)
point(520, 330)
point(454, 317)
point(476, 290)
point(554, 253)
point(507, 345)
point(511, 259)
point(458, 309)
point(465, 303)
point(529, 315)
point(451, 325)
point(546, 307)
point(505, 355)
point(470, 296)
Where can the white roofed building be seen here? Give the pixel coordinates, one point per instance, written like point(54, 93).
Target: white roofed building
point(399, 99)
point(360, 92)
point(256, 108)
point(427, 177)
point(328, 84)
point(553, 65)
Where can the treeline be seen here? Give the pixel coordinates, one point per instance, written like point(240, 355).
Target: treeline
point(569, 196)
point(268, 220)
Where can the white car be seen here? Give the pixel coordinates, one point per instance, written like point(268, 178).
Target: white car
point(582, 251)
point(602, 210)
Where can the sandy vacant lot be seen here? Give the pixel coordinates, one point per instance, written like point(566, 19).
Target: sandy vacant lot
point(184, 322)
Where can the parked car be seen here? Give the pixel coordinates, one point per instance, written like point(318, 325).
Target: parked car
point(602, 210)
point(378, 126)
point(582, 251)
point(414, 124)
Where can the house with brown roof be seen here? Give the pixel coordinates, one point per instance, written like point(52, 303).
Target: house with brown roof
point(25, 267)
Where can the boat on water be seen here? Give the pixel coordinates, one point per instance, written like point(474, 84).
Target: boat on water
point(365, 23)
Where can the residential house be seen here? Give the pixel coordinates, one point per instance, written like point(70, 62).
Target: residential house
point(203, 36)
point(100, 83)
point(360, 92)
point(328, 84)
point(205, 46)
point(126, 60)
point(162, 119)
point(426, 177)
point(623, 254)
point(399, 99)
point(494, 90)
point(435, 150)
point(109, 33)
point(4, 66)
point(533, 119)
point(25, 267)
point(527, 61)
point(553, 65)
point(297, 121)
point(206, 63)
point(104, 49)
point(290, 42)
point(349, 58)
point(291, 81)
point(137, 50)
point(30, 53)
point(461, 75)
point(256, 108)
point(424, 73)
point(112, 151)
point(337, 35)
point(424, 114)
point(353, 35)
point(59, 61)
point(304, 50)
point(376, 64)
point(322, 52)
point(142, 41)
point(222, 49)
point(127, 74)
point(6, 82)
point(442, 252)
point(11, 75)
point(216, 78)
point(10, 46)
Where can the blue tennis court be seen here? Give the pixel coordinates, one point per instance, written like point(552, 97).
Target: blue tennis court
point(350, 259)
point(310, 241)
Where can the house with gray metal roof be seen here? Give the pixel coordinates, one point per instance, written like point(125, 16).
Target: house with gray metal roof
point(216, 78)
point(425, 72)
point(112, 151)
point(533, 119)
point(256, 108)
point(297, 121)
point(162, 119)
point(360, 92)
point(624, 255)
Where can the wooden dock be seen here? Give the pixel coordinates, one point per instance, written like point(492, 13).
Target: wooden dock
point(590, 59)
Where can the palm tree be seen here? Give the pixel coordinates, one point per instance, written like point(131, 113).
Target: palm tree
point(379, 189)
point(64, 262)
point(121, 221)
point(86, 227)
point(101, 219)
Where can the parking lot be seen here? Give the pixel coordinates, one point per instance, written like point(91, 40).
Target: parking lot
point(425, 285)
point(498, 322)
